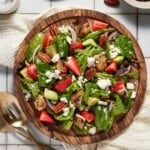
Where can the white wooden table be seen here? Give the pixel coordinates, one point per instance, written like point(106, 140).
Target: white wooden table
point(136, 20)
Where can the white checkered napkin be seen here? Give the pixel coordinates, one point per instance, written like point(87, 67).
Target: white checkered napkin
point(13, 29)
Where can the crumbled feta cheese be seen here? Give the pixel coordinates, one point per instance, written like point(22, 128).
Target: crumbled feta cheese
point(55, 58)
point(114, 51)
point(130, 86)
point(51, 75)
point(92, 130)
point(66, 111)
point(102, 103)
point(73, 78)
point(85, 127)
point(27, 96)
point(64, 99)
point(90, 61)
point(64, 29)
point(104, 83)
point(48, 80)
point(57, 73)
point(82, 79)
point(47, 73)
point(133, 95)
point(69, 39)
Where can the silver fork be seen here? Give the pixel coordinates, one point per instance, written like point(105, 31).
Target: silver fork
point(13, 116)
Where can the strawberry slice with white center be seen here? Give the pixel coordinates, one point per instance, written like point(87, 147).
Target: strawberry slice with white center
point(73, 65)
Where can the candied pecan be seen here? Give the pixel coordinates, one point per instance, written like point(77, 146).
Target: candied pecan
point(112, 2)
point(90, 73)
point(61, 66)
point(59, 107)
point(44, 57)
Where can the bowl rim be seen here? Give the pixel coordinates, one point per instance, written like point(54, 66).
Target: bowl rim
point(117, 128)
point(139, 4)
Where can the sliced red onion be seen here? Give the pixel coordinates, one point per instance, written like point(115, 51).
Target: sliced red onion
point(73, 34)
point(50, 106)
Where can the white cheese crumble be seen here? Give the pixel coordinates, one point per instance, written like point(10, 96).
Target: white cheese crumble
point(27, 96)
point(50, 75)
point(130, 86)
point(82, 79)
point(102, 103)
point(133, 95)
point(104, 83)
point(73, 78)
point(114, 51)
point(90, 61)
point(55, 58)
point(64, 99)
point(66, 111)
point(92, 130)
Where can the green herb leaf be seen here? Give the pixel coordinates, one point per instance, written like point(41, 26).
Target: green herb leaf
point(36, 40)
point(125, 44)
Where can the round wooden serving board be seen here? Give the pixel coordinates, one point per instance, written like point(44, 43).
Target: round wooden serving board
point(67, 17)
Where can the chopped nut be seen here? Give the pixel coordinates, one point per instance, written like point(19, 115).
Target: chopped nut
point(59, 107)
point(44, 57)
point(90, 73)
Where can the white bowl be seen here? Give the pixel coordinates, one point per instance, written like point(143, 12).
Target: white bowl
point(139, 4)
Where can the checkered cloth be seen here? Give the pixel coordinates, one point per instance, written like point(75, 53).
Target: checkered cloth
point(13, 29)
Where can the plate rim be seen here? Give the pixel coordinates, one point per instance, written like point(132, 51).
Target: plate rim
point(97, 137)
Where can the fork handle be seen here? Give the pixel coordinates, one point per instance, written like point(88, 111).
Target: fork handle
point(23, 130)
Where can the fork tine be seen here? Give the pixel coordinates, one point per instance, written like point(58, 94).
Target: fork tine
point(14, 110)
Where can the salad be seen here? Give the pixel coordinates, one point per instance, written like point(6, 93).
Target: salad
point(80, 76)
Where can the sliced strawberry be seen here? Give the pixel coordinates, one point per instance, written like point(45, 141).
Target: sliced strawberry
point(47, 40)
point(119, 86)
point(112, 67)
point(75, 45)
point(61, 86)
point(97, 25)
point(73, 65)
point(88, 116)
point(45, 117)
point(32, 71)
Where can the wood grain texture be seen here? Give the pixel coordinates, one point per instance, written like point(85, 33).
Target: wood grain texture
point(66, 17)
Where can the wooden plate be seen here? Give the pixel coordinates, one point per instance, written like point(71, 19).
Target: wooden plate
point(66, 17)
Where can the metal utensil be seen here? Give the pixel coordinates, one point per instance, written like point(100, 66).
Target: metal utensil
point(15, 120)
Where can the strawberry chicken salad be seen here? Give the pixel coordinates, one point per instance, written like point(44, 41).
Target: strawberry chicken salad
point(80, 77)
